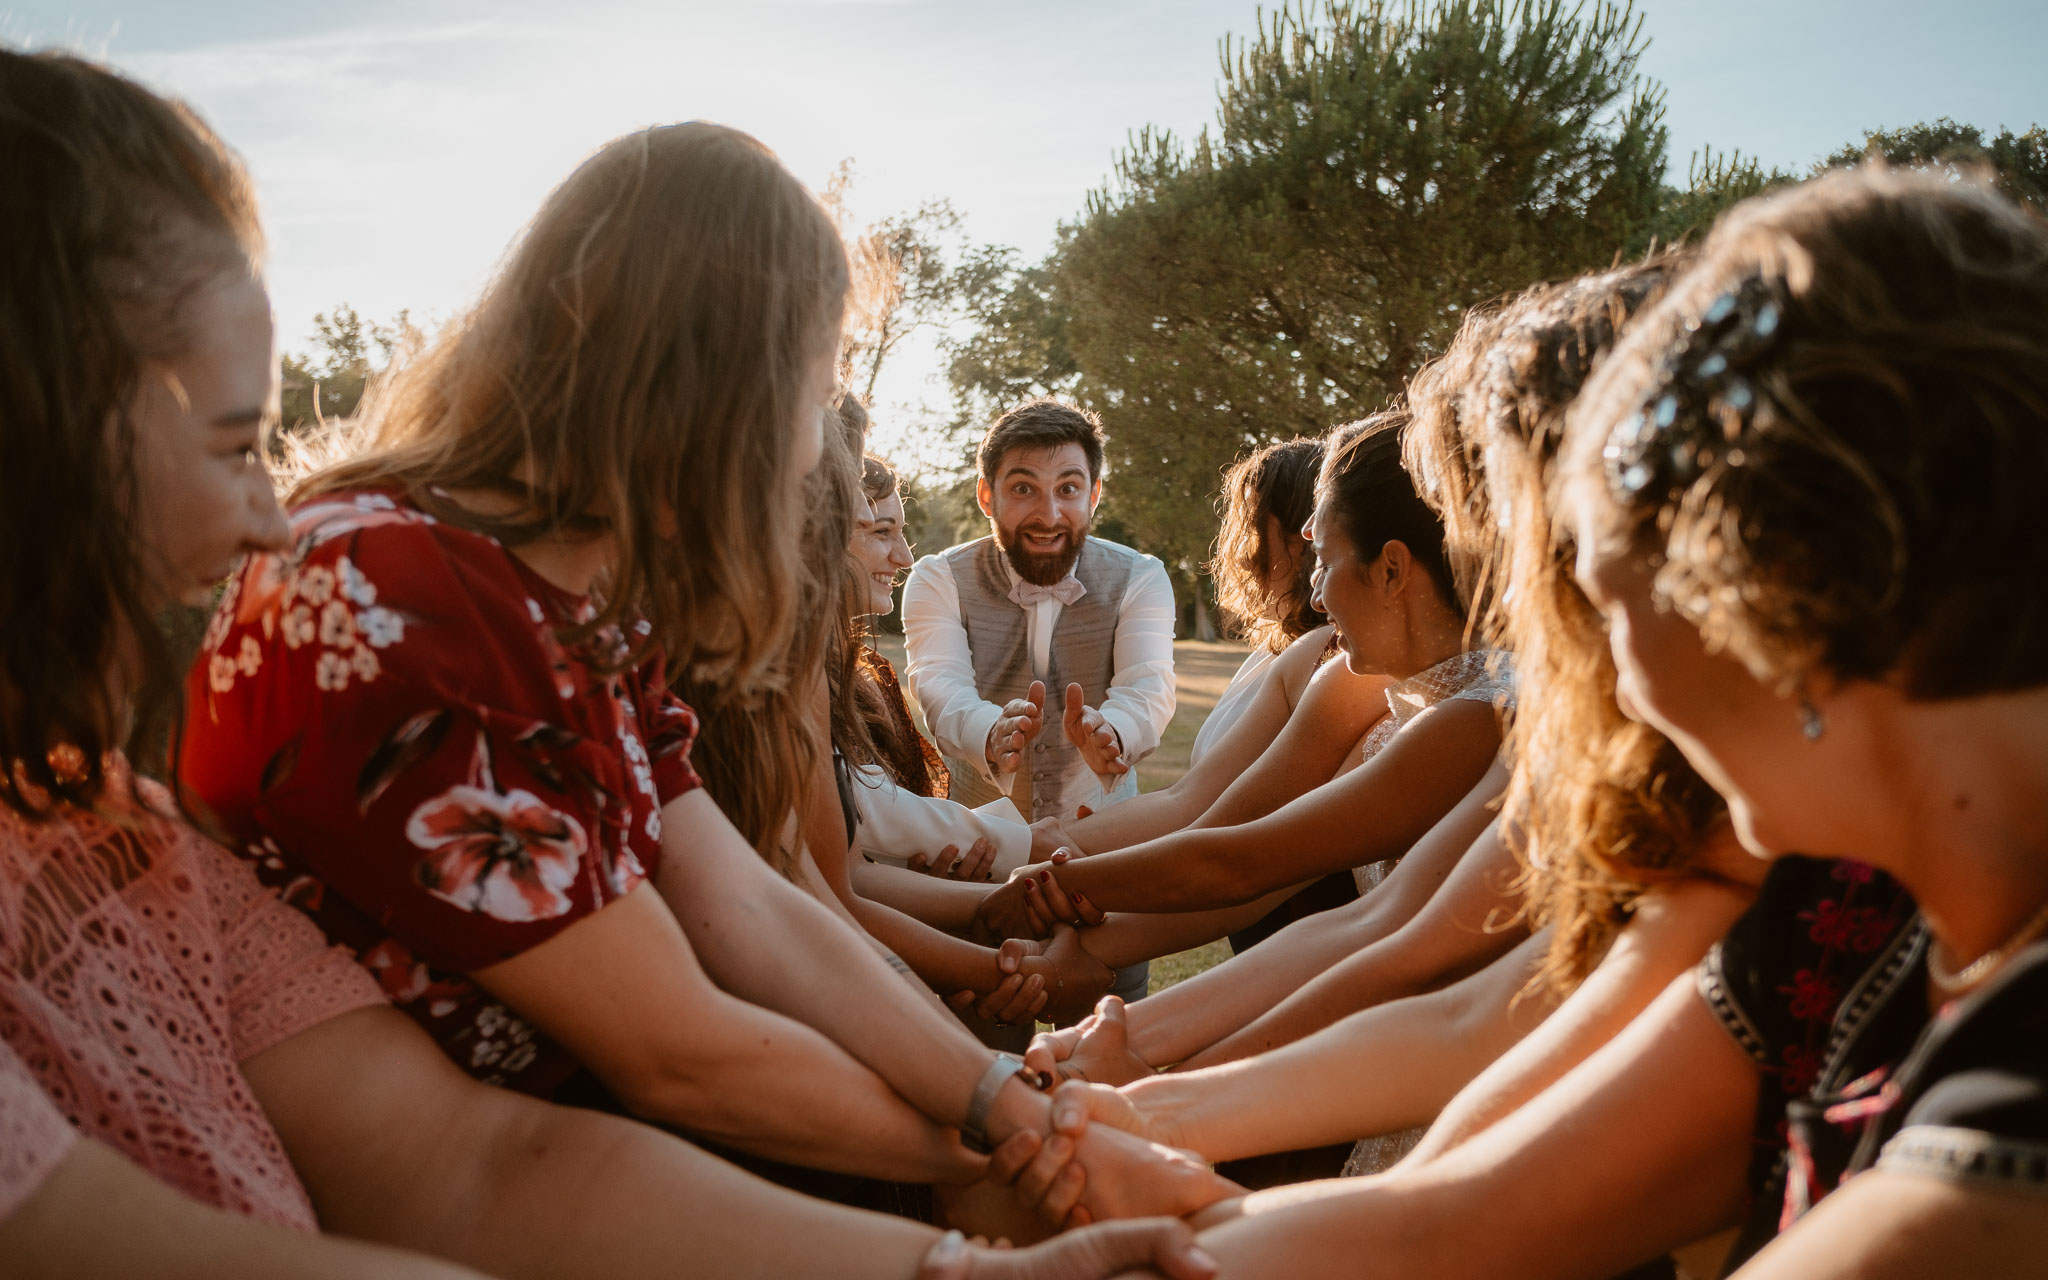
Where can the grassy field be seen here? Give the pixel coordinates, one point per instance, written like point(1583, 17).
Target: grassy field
point(1201, 671)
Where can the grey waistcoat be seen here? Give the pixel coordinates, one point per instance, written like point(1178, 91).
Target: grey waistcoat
point(1083, 651)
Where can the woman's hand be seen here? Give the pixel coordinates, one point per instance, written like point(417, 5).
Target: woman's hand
point(1166, 1245)
point(1097, 1049)
point(1048, 835)
point(1105, 1173)
point(1079, 978)
point(1076, 1105)
point(1008, 912)
point(977, 864)
point(1018, 997)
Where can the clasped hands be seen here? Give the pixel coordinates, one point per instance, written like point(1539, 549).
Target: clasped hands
point(1031, 904)
point(1055, 976)
point(1086, 727)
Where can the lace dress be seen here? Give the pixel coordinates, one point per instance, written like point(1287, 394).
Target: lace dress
point(1481, 675)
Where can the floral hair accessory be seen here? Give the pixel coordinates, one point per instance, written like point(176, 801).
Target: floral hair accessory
point(1704, 395)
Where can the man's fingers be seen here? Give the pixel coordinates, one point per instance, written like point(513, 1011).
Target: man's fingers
point(1063, 1198)
point(1036, 695)
point(1012, 1155)
point(1038, 1176)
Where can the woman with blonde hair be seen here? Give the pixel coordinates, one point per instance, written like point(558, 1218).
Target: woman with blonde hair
point(441, 722)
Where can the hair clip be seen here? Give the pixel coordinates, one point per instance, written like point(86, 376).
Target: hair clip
point(1703, 395)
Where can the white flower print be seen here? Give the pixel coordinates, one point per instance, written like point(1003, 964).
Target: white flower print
point(374, 502)
point(337, 626)
point(654, 824)
point(316, 584)
point(533, 611)
point(251, 656)
point(220, 673)
point(365, 663)
point(332, 673)
point(297, 626)
point(636, 756)
point(381, 627)
point(354, 585)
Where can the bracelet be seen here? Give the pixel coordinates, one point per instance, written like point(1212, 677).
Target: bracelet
point(974, 1129)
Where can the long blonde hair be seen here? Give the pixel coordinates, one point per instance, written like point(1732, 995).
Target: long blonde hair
point(636, 369)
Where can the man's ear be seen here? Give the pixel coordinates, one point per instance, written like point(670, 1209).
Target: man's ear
point(985, 496)
point(1095, 496)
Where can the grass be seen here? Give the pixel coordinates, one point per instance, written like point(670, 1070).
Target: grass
point(1201, 672)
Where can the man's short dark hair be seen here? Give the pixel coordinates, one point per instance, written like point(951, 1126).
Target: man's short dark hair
point(1043, 423)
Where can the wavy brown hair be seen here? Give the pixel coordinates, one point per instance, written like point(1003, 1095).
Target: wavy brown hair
point(116, 207)
point(1832, 435)
point(1278, 481)
point(635, 370)
point(1603, 807)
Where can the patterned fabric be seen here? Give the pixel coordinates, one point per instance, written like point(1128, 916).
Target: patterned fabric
point(910, 756)
point(1821, 983)
point(139, 963)
point(386, 722)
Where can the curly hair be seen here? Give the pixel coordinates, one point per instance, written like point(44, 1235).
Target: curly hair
point(117, 206)
point(1278, 483)
point(1603, 807)
point(1832, 437)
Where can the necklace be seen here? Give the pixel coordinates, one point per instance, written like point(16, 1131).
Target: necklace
point(1983, 966)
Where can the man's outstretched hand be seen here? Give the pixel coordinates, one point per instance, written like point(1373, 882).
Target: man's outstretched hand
point(1092, 735)
point(1011, 735)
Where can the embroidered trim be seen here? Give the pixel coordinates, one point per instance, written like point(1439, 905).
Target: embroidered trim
point(1967, 1155)
point(1707, 979)
point(1871, 991)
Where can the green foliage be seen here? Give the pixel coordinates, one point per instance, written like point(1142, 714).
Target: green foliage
point(2018, 163)
point(1375, 169)
point(1713, 184)
point(330, 382)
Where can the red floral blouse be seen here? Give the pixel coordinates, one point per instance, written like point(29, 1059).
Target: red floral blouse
point(385, 723)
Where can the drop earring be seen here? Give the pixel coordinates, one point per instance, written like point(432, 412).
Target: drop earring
point(1810, 722)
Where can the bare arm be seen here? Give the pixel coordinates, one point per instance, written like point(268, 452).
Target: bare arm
point(1460, 927)
point(1376, 812)
point(1169, 809)
point(1672, 928)
point(940, 903)
point(1332, 715)
point(1901, 1226)
point(1384, 1069)
point(61, 1232)
point(1597, 1174)
point(396, 1145)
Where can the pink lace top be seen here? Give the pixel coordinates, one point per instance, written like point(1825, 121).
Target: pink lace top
point(139, 964)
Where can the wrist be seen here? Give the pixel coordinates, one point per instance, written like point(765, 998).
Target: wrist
point(1017, 1106)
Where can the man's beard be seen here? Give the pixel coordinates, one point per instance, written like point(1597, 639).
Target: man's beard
point(1041, 569)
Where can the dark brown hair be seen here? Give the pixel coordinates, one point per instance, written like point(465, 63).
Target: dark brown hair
point(1366, 489)
point(1278, 481)
point(1833, 435)
point(1043, 423)
point(116, 206)
point(637, 368)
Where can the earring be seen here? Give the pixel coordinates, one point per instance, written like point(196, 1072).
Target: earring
point(1810, 722)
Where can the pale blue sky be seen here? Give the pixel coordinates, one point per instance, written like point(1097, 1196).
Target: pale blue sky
point(399, 144)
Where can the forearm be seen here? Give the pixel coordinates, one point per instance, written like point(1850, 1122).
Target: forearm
point(1186, 871)
point(940, 903)
point(775, 948)
point(1128, 938)
point(1375, 1072)
point(1141, 818)
point(1412, 961)
point(1180, 1022)
point(943, 962)
point(62, 1232)
point(773, 1087)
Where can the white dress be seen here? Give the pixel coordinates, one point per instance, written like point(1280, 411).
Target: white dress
point(1236, 700)
point(1482, 675)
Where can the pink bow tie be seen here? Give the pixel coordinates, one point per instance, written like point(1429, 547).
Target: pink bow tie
point(1066, 591)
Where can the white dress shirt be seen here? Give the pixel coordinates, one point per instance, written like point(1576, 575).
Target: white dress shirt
point(940, 671)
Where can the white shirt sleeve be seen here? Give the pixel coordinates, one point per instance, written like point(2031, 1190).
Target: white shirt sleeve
point(1140, 699)
point(940, 670)
point(896, 825)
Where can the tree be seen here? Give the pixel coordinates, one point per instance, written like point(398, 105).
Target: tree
point(1713, 184)
point(331, 381)
point(1375, 169)
point(2018, 163)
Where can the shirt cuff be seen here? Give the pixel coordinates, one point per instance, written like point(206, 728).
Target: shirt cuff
point(1126, 732)
point(978, 723)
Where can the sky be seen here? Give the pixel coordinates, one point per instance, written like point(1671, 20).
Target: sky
point(399, 145)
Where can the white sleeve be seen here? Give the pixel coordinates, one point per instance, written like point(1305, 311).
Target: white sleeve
point(896, 824)
point(1140, 699)
point(940, 670)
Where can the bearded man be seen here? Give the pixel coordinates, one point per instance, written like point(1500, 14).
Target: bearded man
point(992, 625)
